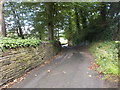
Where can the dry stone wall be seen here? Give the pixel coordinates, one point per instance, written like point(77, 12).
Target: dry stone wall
point(15, 62)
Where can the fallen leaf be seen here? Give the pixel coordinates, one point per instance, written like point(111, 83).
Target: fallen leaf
point(45, 62)
point(6, 85)
point(15, 80)
point(93, 66)
point(64, 72)
point(90, 75)
point(21, 79)
point(48, 71)
point(98, 76)
point(35, 75)
point(42, 65)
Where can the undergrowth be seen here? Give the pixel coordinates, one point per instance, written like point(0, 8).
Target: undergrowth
point(10, 43)
point(106, 56)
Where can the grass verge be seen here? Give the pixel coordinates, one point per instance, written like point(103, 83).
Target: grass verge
point(106, 54)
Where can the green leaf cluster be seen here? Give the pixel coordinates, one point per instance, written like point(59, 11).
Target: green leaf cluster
point(10, 43)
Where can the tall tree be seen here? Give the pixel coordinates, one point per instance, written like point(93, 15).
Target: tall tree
point(2, 22)
point(50, 19)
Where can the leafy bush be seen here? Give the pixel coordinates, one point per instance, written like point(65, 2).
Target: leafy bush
point(8, 43)
point(106, 56)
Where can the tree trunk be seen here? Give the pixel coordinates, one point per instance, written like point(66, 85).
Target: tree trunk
point(20, 31)
point(50, 20)
point(2, 22)
point(77, 20)
point(3, 26)
point(70, 24)
point(58, 35)
point(70, 30)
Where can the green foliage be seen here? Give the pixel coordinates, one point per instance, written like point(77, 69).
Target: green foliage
point(106, 56)
point(33, 20)
point(10, 43)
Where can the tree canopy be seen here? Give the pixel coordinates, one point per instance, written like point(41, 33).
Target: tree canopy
point(75, 21)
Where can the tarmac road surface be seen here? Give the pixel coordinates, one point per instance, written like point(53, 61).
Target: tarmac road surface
point(67, 70)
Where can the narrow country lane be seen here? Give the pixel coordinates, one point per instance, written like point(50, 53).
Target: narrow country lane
point(68, 70)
